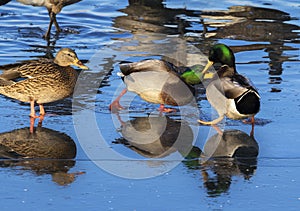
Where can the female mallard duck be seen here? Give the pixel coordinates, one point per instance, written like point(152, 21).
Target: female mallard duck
point(230, 93)
point(158, 81)
point(45, 80)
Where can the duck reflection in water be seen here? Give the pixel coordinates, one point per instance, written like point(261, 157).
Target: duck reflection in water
point(45, 151)
point(156, 136)
point(232, 153)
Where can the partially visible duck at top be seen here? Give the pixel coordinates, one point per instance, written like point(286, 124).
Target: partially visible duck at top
point(160, 82)
point(230, 93)
point(54, 7)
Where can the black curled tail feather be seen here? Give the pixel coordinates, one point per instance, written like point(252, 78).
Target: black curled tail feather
point(248, 102)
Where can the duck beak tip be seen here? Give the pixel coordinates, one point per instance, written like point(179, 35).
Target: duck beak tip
point(81, 65)
point(208, 65)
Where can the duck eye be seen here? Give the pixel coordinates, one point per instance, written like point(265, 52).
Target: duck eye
point(70, 55)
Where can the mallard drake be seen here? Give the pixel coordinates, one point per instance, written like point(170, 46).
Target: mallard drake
point(158, 81)
point(54, 7)
point(230, 93)
point(45, 80)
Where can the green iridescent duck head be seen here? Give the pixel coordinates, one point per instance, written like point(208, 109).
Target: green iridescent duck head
point(193, 75)
point(222, 54)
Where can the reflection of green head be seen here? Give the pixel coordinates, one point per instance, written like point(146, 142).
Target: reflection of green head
point(221, 53)
point(217, 186)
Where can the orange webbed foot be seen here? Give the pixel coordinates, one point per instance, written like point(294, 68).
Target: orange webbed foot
point(163, 109)
point(115, 106)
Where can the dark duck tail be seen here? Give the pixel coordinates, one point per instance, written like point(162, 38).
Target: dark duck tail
point(248, 102)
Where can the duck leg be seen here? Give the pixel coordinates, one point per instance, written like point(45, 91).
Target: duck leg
point(47, 35)
point(252, 126)
point(56, 8)
point(58, 29)
point(120, 119)
point(32, 110)
point(162, 108)
point(213, 122)
point(115, 106)
point(219, 131)
point(32, 116)
point(31, 128)
point(252, 122)
point(42, 115)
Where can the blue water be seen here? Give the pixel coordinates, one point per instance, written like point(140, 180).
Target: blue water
point(117, 177)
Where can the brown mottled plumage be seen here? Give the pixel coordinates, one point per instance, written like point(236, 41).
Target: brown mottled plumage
point(45, 143)
point(43, 88)
point(44, 152)
point(45, 80)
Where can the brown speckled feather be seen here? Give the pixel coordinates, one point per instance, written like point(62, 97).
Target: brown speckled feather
point(41, 81)
point(28, 69)
point(45, 143)
point(43, 88)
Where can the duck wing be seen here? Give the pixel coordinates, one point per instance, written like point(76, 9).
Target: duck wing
point(236, 85)
point(5, 82)
point(27, 69)
point(42, 88)
point(216, 97)
point(146, 65)
point(220, 90)
point(232, 89)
